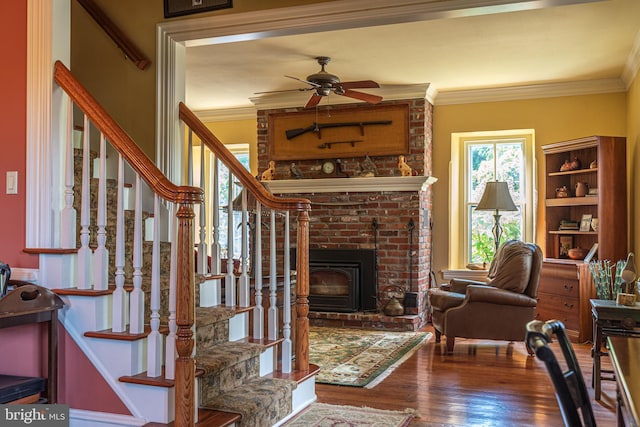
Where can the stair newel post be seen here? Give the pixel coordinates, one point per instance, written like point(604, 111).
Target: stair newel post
point(272, 324)
point(286, 328)
point(230, 279)
point(84, 253)
point(136, 317)
point(68, 214)
point(154, 340)
point(185, 314)
point(101, 253)
point(258, 310)
point(243, 282)
point(302, 293)
point(170, 363)
point(119, 298)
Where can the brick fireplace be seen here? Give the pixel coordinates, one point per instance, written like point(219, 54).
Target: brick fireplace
point(387, 214)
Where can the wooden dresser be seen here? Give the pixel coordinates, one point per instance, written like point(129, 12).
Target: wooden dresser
point(565, 290)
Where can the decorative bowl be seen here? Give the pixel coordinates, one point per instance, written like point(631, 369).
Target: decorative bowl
point(577, 253)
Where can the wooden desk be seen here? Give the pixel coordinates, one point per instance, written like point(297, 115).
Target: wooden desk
point(625, 357)
point(609, 319)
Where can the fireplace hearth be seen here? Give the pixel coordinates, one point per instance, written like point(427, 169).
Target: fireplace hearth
point(342, 280)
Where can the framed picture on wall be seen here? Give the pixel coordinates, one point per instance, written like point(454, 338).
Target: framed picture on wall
point(174, 8)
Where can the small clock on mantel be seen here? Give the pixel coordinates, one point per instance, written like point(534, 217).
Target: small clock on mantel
point(328, 168)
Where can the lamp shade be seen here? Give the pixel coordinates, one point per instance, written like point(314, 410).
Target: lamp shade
point(496, 197)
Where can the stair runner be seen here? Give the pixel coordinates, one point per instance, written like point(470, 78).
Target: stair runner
point(231, 380)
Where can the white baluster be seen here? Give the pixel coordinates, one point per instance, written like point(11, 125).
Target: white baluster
point(154, 340)
point(84, 253)
point(272, 324)
point(171, 353)
point(258, 310)
point(101, 253)
point(119, 295)
point(230, 279)
point(215, 225)
point(243, 282)
point(136, 325)
point(68, 214)
point(287, 351)
point(202, 244)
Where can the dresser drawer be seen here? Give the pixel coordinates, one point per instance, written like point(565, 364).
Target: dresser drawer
point(563, 287)
point(565, 309)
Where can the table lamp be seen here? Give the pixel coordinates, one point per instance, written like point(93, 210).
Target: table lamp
point(496, 197)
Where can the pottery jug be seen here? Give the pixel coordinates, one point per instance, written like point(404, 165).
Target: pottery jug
point(576, 164)
point(562, 191)
point(582, 188)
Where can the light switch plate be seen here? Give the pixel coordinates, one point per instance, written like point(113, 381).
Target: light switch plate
point(12, 182)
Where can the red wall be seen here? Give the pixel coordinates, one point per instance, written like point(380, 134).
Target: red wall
point(13, 123)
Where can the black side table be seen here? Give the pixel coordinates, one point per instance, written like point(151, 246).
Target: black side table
point(610, 319)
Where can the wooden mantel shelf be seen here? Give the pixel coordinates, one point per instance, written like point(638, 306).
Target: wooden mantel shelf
point(350, 185)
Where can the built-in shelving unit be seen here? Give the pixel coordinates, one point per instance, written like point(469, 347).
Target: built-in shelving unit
point(565, 284)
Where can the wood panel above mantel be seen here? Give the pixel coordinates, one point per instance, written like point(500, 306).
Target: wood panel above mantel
point(351, 185)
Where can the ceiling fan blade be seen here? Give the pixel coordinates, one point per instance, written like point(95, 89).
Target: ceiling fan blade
point(371, 99)
point(313, 101)
point(304, 81)
point(302, 89)
point(360, 84)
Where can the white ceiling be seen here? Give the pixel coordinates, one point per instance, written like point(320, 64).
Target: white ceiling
point(589, 47)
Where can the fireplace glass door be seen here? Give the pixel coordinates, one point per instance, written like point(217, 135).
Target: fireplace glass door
point(334, 287)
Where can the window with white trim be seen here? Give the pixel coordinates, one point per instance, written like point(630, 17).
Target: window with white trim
point(479, 157)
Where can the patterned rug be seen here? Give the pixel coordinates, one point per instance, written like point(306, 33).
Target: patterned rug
point(324, 415)
point(358, 357)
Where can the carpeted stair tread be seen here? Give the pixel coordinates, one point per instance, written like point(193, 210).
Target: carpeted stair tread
point(209, 315)
point(224, 355)
point(260, 401)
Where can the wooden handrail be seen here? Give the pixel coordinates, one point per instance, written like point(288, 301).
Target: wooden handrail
point(130, 50)
point(138, 160)
point(249, 182)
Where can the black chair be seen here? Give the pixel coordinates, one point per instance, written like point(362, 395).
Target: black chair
point(571, 391)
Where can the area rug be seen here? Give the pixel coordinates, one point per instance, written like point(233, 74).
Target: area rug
point(358, 357)
point(324, 415)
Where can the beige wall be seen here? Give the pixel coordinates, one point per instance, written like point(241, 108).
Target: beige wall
point(553, 119)
point(633, 159)
point(239, 132)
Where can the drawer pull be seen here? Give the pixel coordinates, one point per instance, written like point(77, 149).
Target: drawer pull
point(566, 304)
point(568, 287)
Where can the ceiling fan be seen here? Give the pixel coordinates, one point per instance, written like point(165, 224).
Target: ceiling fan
point(323, 83)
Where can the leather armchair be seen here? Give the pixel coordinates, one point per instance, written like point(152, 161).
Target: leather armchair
point(498, 309)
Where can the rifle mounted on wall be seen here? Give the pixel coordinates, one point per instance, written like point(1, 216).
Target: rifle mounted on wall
point(317, 127)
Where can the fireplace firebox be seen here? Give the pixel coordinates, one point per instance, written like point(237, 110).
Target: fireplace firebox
point(342, 280)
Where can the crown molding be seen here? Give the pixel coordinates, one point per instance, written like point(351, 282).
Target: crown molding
point(550, 90)
point(227, 114)
point(633, 63)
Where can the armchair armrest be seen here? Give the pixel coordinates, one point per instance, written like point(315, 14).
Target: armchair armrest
point(460, 285)
point(493, 295)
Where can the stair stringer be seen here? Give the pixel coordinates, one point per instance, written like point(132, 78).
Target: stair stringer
point(146, 403)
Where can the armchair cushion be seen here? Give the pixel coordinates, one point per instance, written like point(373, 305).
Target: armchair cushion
point(513, 261)
point(478, 293)
point(443, 300)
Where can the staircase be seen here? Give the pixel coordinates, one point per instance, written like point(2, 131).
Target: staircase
point(165, 339)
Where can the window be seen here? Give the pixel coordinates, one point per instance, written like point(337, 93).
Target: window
point(477, 158)
point(241, 152)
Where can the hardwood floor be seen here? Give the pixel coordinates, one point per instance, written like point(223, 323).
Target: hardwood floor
point(484, 383)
